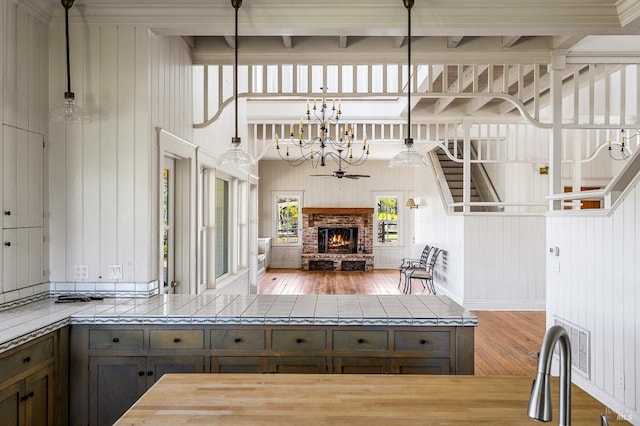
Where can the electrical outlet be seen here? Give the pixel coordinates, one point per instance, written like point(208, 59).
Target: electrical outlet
point(621, 381)
point(114, 272)
point(81, 272)
point(555, 264)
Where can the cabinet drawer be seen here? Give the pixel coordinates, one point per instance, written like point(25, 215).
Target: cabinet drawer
point(176, 339)
point(116, 339)
point(238, 339)
point(26, 357)
point(356, 340)
point(422, 341)
point(302, 340)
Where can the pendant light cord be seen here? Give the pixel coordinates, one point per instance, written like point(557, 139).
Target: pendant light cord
point(409, 74)
point(408, 4)
point(67, 5)
point(236, 4)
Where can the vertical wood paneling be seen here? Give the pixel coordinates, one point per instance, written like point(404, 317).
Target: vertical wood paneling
point(109, 220)
point(124, 253)
point(504, 261)
point(92, 167)
point(22, 69)
point(145, 244)
point(10, 66)
point(596, 288)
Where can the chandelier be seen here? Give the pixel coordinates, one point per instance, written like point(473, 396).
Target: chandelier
point(340, 148)
point(623, 153)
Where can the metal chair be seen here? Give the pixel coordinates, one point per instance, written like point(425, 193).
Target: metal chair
point(408, 263)
point(424, 274)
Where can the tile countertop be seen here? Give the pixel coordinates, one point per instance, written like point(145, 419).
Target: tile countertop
point(24, 323)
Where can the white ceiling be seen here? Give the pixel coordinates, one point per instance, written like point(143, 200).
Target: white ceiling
point(365, 31)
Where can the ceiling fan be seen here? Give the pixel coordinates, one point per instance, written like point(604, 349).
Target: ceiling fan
point(343, 174)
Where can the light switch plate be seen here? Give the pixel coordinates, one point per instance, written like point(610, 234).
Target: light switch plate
point(114, 272)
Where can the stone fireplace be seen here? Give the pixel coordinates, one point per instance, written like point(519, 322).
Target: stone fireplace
point(337, 239)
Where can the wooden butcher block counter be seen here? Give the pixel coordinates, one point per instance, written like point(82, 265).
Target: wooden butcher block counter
point(330, 399)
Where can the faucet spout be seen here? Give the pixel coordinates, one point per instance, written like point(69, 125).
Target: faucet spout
point(540, 400)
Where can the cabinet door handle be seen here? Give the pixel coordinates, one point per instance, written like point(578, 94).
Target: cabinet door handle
point(299, 340)
point(116, 340)
point(26, 360)
point(422, 342)
point(7, 213)
point(176, 340)
point(237, 340)
point(141, 373)
point(360, 341)
point(149, 373)
point(7, 243)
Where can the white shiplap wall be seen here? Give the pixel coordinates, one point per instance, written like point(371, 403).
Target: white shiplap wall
point(104, 175)
point(596, 288)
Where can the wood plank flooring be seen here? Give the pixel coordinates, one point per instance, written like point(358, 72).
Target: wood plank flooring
point(505, 342)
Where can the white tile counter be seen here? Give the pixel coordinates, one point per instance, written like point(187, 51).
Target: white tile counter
point(24, 323)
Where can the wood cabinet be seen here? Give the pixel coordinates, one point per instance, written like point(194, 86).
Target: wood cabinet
point(21, 209)
point(116, 382)
point(29, 391)
point(113, 365)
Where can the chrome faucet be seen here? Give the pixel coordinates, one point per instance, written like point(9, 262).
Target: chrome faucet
point(540, 400)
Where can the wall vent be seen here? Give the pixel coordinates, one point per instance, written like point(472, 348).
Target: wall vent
point(580, 347)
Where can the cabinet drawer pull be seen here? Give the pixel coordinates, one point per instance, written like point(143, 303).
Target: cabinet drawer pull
point(149, 373)
point(7, 213)
point(8, 243)
point(26, 360)
point(422, 341)
point(237, 340)
point(116, 340)
point(360, 341)
point(176, 340)
point(140, 373)
point(299, 340)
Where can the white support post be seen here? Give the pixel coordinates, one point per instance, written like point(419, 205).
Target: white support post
point(558, 64)
point(466, 165)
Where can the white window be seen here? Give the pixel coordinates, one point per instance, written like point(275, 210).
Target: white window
point(386, 220)
point(287, 217)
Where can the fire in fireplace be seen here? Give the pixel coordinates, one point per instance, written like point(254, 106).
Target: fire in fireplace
point(337, 240)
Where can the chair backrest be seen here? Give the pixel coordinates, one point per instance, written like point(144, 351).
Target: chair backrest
point(434, 258)
point(424, 257)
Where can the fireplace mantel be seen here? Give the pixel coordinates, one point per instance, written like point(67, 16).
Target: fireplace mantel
point(337, 210)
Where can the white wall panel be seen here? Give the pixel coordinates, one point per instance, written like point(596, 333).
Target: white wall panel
point(110, 180)
point(597, 289)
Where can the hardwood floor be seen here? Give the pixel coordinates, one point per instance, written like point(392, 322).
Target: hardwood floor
point(505, 342)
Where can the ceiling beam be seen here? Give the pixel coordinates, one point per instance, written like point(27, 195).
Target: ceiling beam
point(509, 41)
point(454, 41)
point(343, 42)
point(287, 41)
point(231, 41)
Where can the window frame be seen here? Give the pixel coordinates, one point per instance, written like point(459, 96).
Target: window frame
point(399, 220)
point(289, 194)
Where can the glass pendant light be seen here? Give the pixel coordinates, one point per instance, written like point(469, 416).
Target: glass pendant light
point(235, 156)
point(408, 157)
point(69, 111)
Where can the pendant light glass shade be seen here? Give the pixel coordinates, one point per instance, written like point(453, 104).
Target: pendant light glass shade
point(69, 112)
point(235, 156)
point(408, 157)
